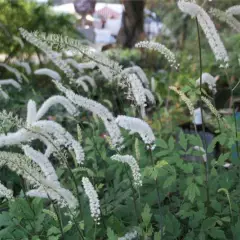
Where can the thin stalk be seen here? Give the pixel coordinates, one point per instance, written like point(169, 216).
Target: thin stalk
point(58, 218)
point(158, 198)
point(133, 191)
point(206, 164)
point(76, 224)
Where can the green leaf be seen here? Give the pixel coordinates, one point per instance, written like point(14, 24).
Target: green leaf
point(162, 153)
point(53, 231)
point(111, 235)
point(226, 219)
point(35, 238)
point(222, 158)
point(183, 140)
point(172, 226)
point(171, 142)
point(209, 223)
point(169, 181)
point(216, 233)
point(192, 192)
point(194, 140)
point(157, 236)
point(161, 143)
point(146, 215)
point(67, 228)
point(5, 219)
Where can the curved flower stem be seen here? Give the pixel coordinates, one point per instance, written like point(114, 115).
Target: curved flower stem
point(206, 164)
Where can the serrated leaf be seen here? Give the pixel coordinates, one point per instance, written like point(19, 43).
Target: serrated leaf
point(162, 153)
point(146, 215)
point(67, 228)
point(161, 143)
point(183, 140)
point(161, 164)
point(216, 233)
point(192, 192)
point(53, 231)
point(226, 219)
point(169, 181)
point(111, 235)
point(222, 158)
point(209, 223)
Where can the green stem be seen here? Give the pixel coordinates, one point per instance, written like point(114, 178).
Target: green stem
point(158, 198)
point(58, 218)
point(206, 164)
point(133, 193)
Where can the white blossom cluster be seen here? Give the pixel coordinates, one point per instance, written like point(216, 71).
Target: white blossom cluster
point(209, 80)
point(99, 110)
point(136, 90)
point(8, 82)
point(108, 67)
point(49, 72)
point(93, 199)
point(12, 70)
point(136, 125)
point(8, 119)
point(184, 99)
point(208, 28)
point(52, 134)
point(52, 55)
point(168, 54)
point(34, 172)
point(24, 65)
point(57, 135)
point(139, 72)
point(4, 192)
point(129, 236)
point(226, 17)
point(3, 94)
point(131, 161)
point(22, 165)
point(234, 10)
point(81, 66)
point(211, 107)
point(81, 81)
point(50, 186)
point(69, 107)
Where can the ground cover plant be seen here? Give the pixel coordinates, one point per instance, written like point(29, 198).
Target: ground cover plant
point(102, 152)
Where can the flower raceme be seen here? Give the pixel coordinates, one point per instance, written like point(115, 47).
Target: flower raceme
point(226, 17)
point(234, 10)
point(136, 125)
point(169, 55)
point(48, 72)
point(98, 109)
point(52, 55)
point(185, 99)
point(208, 28)
point(49, 187)
point(48, 132)
point(93, 199)
point(131, 161)
point(12, 70)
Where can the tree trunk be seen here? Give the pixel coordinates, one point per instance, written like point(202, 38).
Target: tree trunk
point(132, 29)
